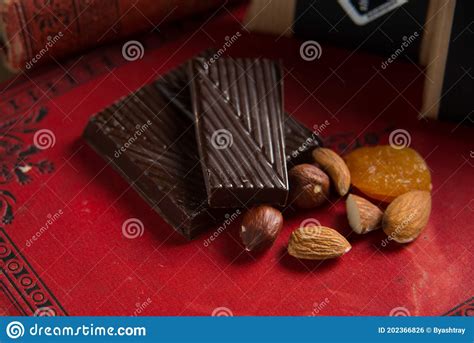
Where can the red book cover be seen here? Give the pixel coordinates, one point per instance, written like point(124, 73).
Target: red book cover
point(62, 247)
point(36, 32)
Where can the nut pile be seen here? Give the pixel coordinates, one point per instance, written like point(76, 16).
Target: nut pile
point(402, 221)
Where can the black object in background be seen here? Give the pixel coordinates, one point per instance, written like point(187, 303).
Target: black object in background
point(456, 101)
point(380, 26)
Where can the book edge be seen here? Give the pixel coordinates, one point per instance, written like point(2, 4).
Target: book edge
point(273, 16)
point(436, 60)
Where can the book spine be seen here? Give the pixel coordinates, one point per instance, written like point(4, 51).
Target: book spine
point(36, 31)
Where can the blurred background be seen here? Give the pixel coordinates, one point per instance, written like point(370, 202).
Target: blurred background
point(434, 35)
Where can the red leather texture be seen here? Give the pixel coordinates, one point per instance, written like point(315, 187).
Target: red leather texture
point(82, 264)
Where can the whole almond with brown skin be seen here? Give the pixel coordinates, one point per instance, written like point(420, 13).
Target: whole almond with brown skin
point(260, 227)
point(317, 243)
point(363, 216)
point(334, 165)
point(407, 215)
point(309, 186)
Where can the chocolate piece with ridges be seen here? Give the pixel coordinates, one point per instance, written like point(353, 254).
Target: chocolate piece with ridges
point(238, 106)
point(153, 147)
point(175, 86)
point(299, 140)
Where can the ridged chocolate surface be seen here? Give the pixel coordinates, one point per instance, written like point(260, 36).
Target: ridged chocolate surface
point(161, 162)
point(299, 140)
point(239, 124)
point(174, 86)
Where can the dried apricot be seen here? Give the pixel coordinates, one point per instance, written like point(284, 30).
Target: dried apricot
point(384, 172)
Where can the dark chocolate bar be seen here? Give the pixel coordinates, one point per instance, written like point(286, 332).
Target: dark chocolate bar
point(299, 140)
point(238, 107)
point(153, 147)
point(183, 205)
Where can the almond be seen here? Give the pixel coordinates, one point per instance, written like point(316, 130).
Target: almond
point(334, 165)
point(407, 215)
point(317, 243)
point(363, 216)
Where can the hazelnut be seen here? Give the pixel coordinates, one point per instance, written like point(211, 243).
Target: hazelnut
point(309, 186)
point(260, 227)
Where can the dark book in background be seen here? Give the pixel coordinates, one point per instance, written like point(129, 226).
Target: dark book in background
point(380, 26)
point(443, 32)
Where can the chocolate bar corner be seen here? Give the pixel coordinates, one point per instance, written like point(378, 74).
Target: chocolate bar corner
point(238, 107)
point(152, 146)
